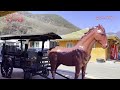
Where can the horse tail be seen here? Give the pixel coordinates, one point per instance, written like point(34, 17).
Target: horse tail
point(48, 52)
point(51, 48)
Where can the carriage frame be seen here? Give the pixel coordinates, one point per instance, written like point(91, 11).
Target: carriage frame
point(31, 66)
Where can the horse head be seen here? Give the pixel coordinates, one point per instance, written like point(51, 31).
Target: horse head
point(100, 36)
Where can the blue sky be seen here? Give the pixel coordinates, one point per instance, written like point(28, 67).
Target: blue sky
point(83, 19)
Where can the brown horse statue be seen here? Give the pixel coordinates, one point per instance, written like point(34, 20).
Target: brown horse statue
point(79, 55)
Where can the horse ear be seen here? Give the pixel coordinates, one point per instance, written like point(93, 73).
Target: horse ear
point(99, 26)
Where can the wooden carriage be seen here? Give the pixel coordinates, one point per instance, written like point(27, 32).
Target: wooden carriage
point(32, 62)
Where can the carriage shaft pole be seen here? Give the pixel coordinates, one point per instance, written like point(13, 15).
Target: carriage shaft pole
point(62, 75)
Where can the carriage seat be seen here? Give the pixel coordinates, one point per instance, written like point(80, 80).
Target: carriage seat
point(35, 56)
point(35, 59)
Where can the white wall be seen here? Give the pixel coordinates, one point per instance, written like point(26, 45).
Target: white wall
point(13, 42)
point(46, 44)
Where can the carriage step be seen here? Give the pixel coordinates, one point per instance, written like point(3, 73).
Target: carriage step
point(44, 63)
point(48, 66)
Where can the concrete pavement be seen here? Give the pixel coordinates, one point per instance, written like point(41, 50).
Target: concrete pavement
point(95, 70)
point(107, 70)
point(18, 74)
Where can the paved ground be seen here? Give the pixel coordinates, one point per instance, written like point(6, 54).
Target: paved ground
point(18, 74)
point(108, 70)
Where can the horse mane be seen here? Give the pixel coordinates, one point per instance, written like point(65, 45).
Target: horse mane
point(91, 29)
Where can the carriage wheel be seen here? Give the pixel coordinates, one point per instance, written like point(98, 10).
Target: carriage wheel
point(27, 75)
point(3, 69)
point(45, 72)
point(6, 69)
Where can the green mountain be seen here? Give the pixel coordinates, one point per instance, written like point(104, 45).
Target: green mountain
point(36, 24)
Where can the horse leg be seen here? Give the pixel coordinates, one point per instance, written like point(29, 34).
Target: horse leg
point(83, 71)
point(77, 71)
point(53, 63)
point(53, 70)
point(57, 66)
point(53, 73)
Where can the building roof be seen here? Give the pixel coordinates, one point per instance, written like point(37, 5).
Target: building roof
point(74, 35)
point(114, 38)
point(78, 34)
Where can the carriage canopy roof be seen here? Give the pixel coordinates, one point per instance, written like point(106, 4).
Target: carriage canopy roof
point(39, 37)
